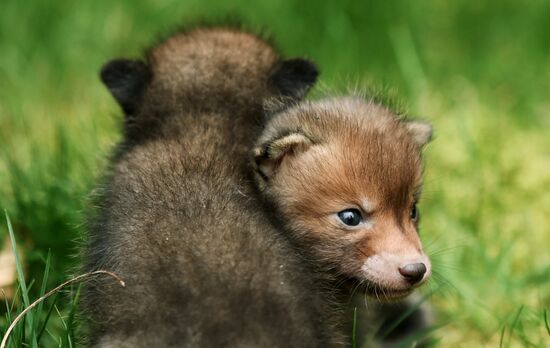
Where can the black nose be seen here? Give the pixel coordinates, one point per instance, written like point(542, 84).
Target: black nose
point(413, 272)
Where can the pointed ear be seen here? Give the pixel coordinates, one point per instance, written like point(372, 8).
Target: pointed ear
point(269, 156)
point(126, 80)
point(421, 131)
point(294, 77)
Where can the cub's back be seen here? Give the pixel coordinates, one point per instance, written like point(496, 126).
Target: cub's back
point(176, 219)
point(201, 264)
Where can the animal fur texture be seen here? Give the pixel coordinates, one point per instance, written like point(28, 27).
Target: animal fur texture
point(177, 219)
point(344, 177)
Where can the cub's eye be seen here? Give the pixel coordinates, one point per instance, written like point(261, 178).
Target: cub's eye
point(351, 217)
point(414, 213)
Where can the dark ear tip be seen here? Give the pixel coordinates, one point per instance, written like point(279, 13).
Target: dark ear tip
point(108, 69)
point(294, 77)
point(126, 80)
point(304, 68)
point(115, 69)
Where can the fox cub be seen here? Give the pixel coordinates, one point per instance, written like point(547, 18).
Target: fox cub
point(176, 217)
point(343, 176)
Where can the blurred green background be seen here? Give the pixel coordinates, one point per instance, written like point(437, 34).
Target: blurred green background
point(479, 71)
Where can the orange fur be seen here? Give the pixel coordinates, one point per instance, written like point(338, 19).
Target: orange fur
point(317, 159)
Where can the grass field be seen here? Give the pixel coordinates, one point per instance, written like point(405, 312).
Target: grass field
point(479, 71)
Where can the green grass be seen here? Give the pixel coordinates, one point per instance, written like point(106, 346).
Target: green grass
point(30, 329)
point(477, 70)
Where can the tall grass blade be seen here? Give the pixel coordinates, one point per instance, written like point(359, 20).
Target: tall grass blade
point(354, 329)
point(514, 324)
point(70, 320)
point(21, 278)
point(45, 279)
point(546, 321)
point(47, 318)
point(42, 292)
point(501, 341)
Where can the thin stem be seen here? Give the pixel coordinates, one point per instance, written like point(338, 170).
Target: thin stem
point(51, 292)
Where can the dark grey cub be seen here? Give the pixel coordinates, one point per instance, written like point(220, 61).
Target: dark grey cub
point(176, 218)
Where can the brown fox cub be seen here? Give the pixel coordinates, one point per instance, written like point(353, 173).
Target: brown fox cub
point(344, 176)
point(177, 219)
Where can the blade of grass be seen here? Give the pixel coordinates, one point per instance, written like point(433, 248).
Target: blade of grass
point(42, 292)
point(546, 321)
point(16, 334)
point(16, 293)
point(30, 285)
point(60, 317)
point(70, 320)
point(354, 329)
point(52, 336)
point(21, 277)
point(501, 341)
point(47, 318)
point(64, 323)
point(8, 309)
point(514, 324)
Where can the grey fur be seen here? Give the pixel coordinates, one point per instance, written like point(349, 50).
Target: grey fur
point(177, 220)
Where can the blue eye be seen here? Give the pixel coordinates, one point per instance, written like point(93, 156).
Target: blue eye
point(350, 217)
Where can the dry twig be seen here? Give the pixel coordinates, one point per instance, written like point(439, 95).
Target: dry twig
point(51, 292)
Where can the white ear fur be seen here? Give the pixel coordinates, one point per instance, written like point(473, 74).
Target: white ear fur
point(269, 156)
point(421, 131)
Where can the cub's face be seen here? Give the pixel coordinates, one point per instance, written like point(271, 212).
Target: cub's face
point(348, 188)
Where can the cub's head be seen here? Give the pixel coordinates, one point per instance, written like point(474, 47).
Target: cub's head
point(345, 175)
point(205, 66)
point(204, 69)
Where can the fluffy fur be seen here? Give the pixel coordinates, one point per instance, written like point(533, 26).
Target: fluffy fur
point(177, 219)
point(315, 160)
